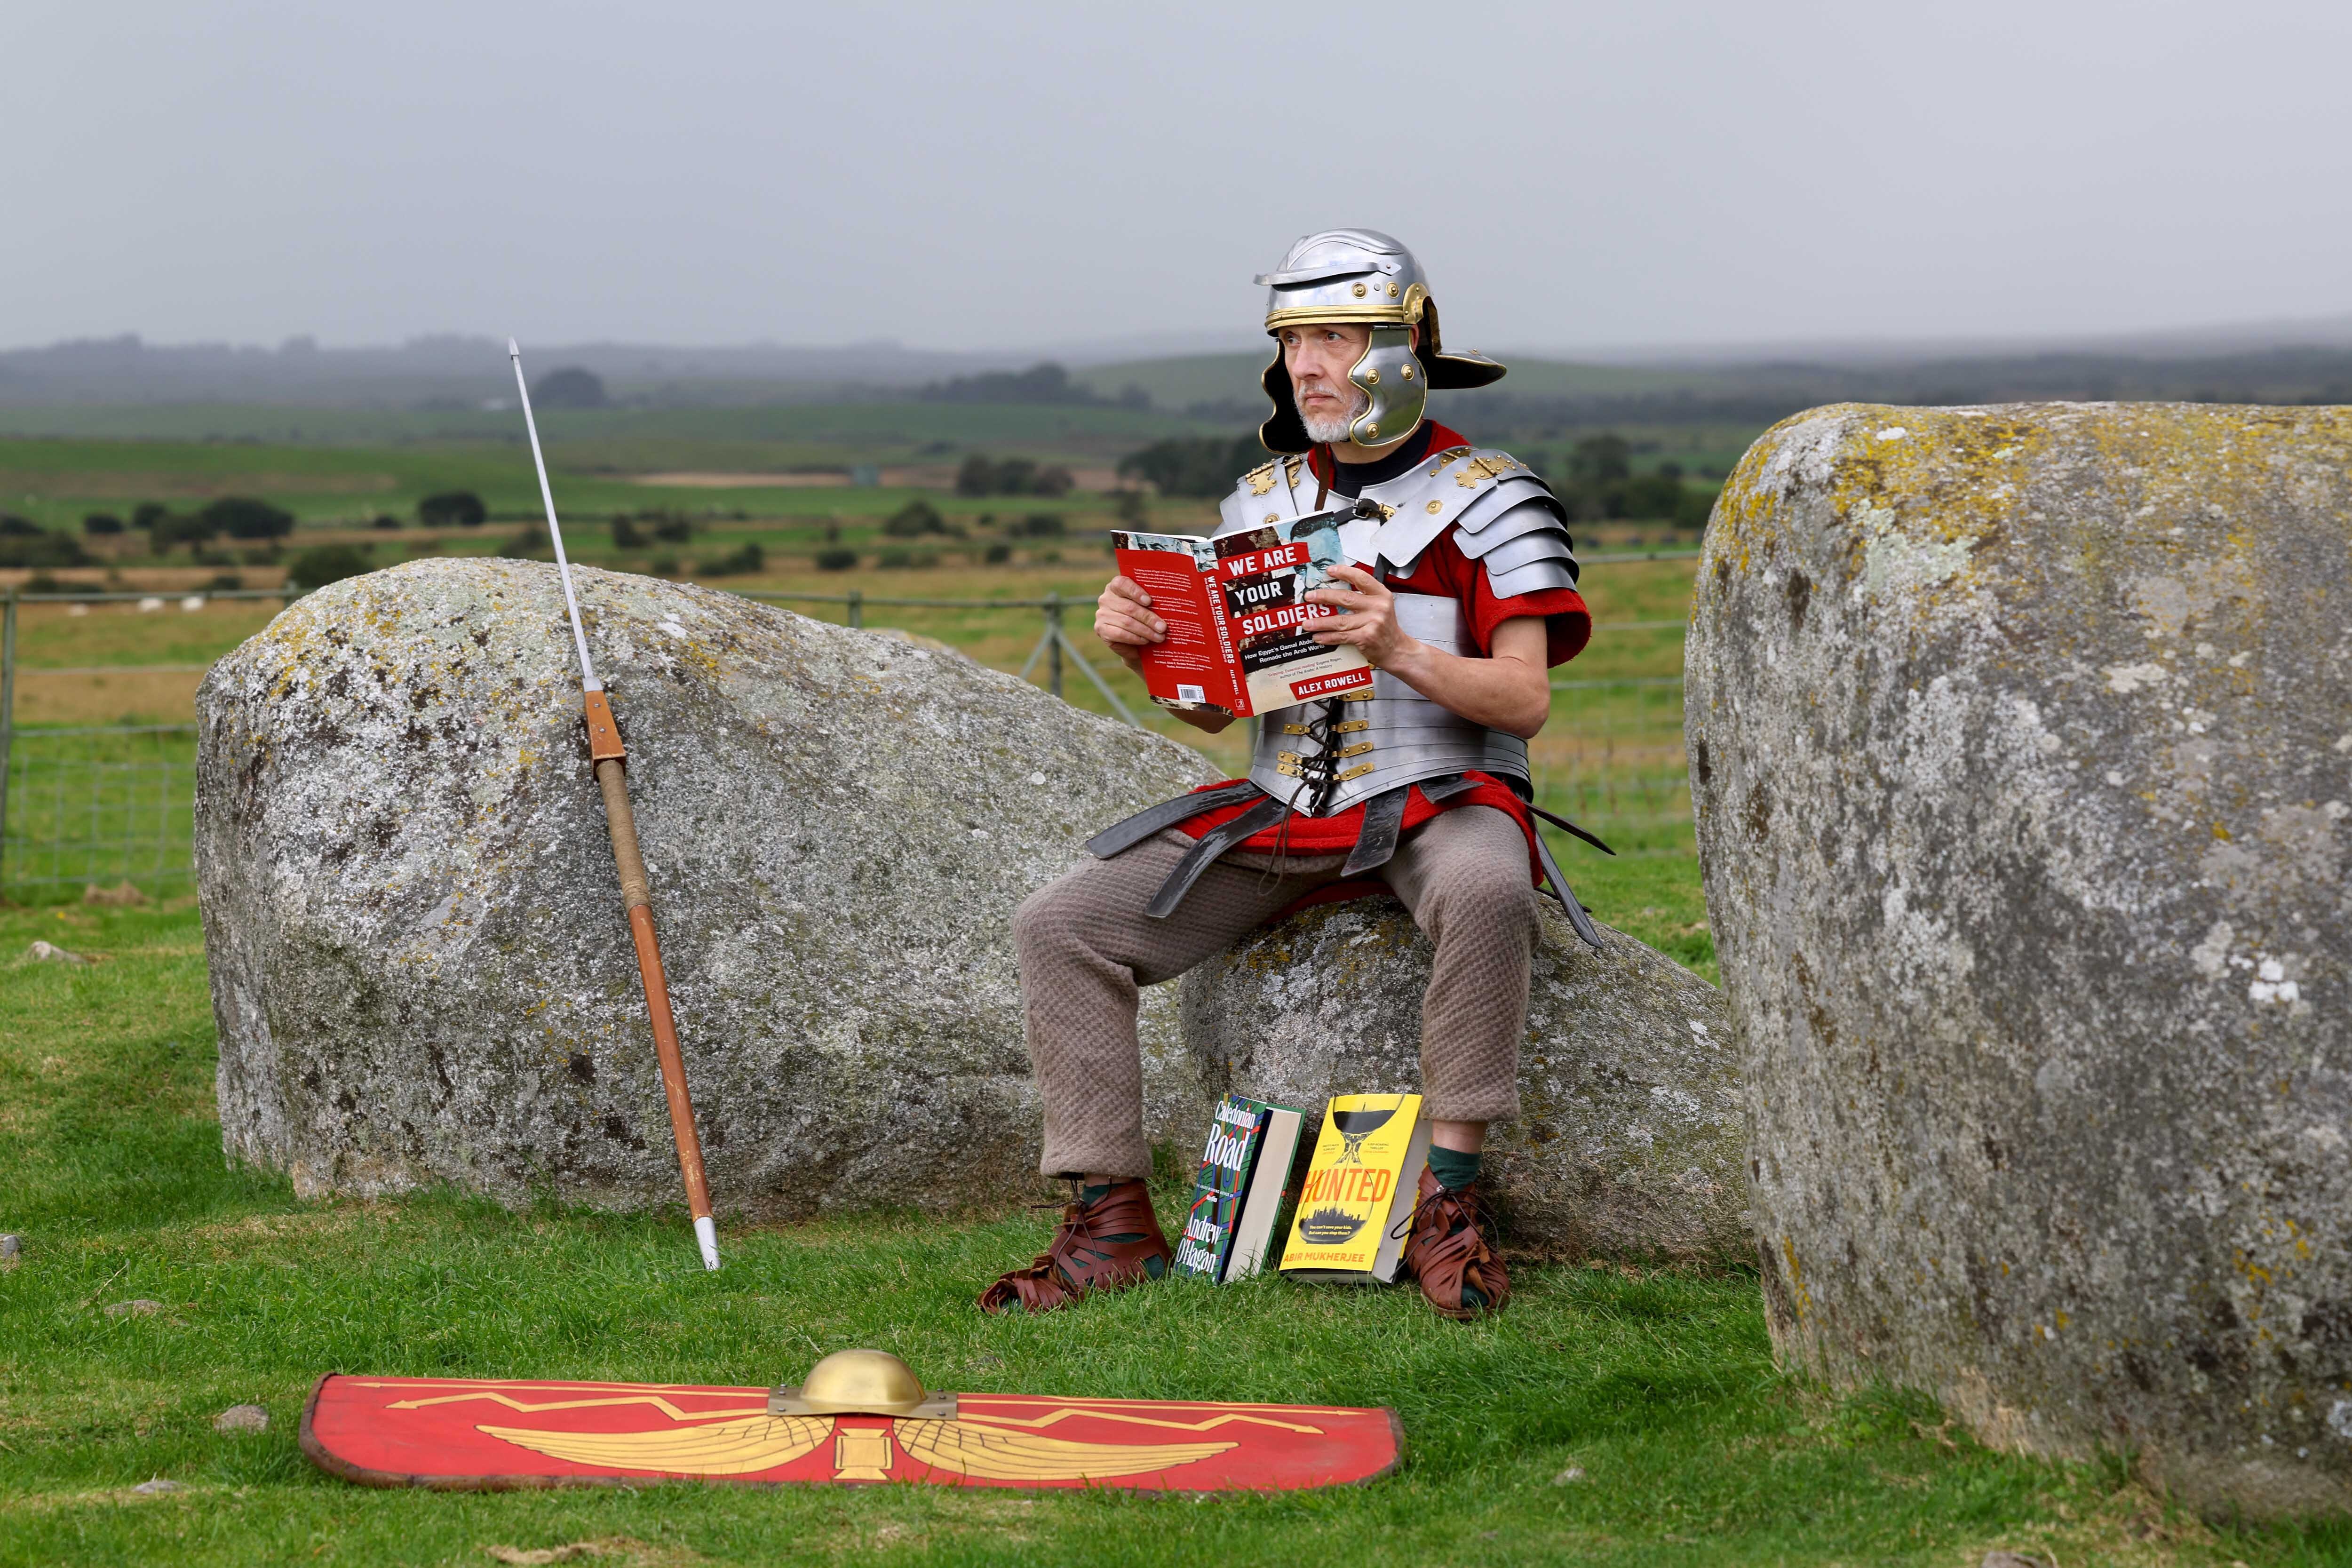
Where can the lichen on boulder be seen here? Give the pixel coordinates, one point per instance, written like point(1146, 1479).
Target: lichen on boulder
point(1629, 1144)
point(2022, 751)
point(420, 965)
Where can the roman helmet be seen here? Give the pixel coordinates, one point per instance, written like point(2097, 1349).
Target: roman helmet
point(1362, 275)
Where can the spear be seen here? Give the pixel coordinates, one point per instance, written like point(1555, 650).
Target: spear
point(610, 761)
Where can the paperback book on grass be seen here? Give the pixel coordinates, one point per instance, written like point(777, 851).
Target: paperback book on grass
point(1237, 1195)
point(1240, 632)
point(1355, 1206)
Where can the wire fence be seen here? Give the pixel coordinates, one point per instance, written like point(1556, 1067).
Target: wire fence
point(99, 804)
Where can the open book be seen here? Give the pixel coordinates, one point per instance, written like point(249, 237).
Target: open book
point(1240, 635)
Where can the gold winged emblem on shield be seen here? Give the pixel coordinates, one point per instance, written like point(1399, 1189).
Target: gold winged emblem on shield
point(797, 1421)
point(860, 1453)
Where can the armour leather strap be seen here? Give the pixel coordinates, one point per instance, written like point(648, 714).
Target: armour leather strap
point(1559, 889)
point(1565, 826)
point(1203, 855)
point(1127, 833)
point(1383, 825)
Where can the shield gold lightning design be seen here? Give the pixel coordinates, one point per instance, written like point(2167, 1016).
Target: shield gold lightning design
point(479, 1435)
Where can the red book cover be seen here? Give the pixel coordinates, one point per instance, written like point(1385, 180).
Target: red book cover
point(1240, 632)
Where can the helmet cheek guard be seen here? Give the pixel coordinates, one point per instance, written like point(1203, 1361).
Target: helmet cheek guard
point(1396, 389)
point(1362, 276)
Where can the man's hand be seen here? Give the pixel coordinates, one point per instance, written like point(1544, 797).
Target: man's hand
point(1368, 621)
point(1124, 621)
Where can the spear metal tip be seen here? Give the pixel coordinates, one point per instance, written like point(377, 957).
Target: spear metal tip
point(512, 351)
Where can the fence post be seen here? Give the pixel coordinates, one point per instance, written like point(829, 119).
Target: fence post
point(857, 606)
point(7, 716)
point(1053, 640)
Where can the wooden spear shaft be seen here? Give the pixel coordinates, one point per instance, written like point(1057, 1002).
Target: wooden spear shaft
point(609, 758)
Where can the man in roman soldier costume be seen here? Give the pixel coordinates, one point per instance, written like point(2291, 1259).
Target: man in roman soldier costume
point(1462, 597)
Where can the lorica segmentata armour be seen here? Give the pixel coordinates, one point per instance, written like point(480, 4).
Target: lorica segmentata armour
point(1505, 516)
point(1321, 758)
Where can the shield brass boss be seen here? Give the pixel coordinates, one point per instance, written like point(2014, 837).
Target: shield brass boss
point(861, 1382)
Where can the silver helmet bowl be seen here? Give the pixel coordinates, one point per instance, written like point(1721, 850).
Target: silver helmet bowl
point(1362, 276)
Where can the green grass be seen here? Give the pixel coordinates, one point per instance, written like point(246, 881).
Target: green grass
point(321, 464)
point(1659, 1387)
point(816, 429)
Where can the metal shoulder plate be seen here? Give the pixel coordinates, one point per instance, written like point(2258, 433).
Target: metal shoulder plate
point(1492, 498)
point(1280, 491)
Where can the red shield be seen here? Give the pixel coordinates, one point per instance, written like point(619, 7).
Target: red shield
point(461, 1433)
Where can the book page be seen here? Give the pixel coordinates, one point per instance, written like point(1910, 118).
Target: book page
point(1270, 1178)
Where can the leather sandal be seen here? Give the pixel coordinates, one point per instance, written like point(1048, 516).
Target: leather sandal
point(1080, 1259)
point(1446, 1251)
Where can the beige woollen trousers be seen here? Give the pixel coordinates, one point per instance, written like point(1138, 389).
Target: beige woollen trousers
point(1085, 946)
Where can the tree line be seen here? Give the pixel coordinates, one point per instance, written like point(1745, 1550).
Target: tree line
point(1011, 476)
point(1043, 383)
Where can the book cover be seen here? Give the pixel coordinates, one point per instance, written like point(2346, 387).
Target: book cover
point(1240, 632)
point(1359, 1190)
point(1236, 1131)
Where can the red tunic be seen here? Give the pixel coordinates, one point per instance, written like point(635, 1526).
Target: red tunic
point(1441, 569)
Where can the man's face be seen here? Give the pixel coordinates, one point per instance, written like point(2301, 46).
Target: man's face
point(1318, 356)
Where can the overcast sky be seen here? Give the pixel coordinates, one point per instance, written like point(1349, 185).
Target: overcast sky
point(970, 176)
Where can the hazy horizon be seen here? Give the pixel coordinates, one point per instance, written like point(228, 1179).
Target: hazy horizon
point(2223, 336)
point(1685, 177)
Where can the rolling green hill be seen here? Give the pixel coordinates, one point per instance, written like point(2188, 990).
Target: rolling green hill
point(1183, 382)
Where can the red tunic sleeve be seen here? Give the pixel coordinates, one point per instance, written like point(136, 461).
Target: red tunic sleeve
point(1444, 569)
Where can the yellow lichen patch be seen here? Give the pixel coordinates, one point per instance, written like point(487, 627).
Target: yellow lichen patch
point(1800, 1300)
point(1945, 476)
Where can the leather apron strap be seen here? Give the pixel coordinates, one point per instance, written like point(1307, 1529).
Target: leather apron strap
point(1204, 854)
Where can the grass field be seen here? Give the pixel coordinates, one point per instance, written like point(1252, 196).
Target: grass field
point(1657, 1388)
point(343, 465)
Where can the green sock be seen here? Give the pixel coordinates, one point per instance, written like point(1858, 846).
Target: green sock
point(1454, 1168)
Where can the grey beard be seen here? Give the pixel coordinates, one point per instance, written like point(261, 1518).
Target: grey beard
point(1325, 431)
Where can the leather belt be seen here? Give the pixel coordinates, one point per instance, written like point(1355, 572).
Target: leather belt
point(1134, 830)
point(1376, 841)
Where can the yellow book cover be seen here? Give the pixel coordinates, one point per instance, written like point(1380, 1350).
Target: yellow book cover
point(1360, 1189)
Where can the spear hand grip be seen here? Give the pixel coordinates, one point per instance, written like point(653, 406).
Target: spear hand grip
point(613, 780)
point(636, 892)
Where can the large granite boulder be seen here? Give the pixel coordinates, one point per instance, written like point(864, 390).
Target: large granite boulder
point(2022, 747)
point(1630, 1141)
point(420, 964)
